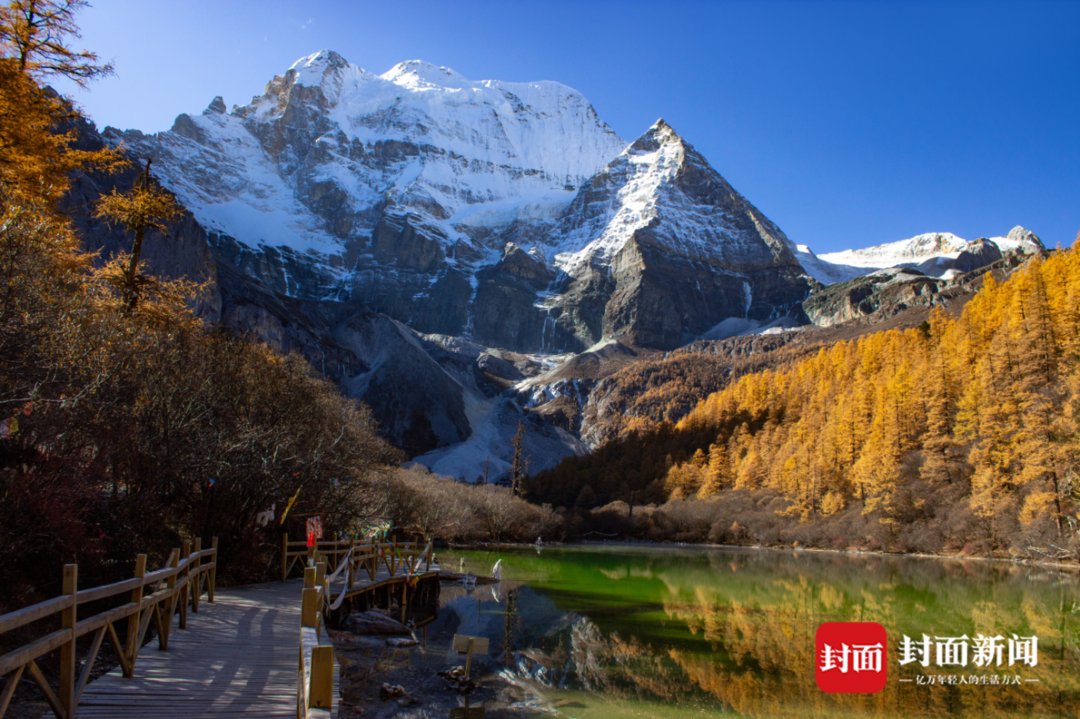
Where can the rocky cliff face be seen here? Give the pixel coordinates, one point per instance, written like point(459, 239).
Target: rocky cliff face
point(657, 248)
point(885, 293)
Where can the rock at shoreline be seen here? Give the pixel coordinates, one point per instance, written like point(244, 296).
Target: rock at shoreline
point(401, 642)
point(374, 622)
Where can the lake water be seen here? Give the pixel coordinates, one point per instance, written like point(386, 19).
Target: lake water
point(627, 631)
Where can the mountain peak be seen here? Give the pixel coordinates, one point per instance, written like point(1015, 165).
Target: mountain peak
point(661, 133)
point(420, 73)
point(314, 69)
point(216, 106)
point(321, 59)
point(660, 144)
point(1020, 239)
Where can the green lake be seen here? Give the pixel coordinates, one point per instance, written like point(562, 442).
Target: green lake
point(604, 632)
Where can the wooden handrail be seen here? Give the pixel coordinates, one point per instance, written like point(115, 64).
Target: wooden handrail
point(294, 553)
point(152, 597)
point(106, 590)
point(315, 673)
point(21, 617)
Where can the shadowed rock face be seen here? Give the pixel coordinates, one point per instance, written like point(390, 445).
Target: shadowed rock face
point(505, 311)
point(978, 254)
point(887, 292)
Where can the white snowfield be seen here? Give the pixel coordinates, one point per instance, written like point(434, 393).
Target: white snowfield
point(480, 153)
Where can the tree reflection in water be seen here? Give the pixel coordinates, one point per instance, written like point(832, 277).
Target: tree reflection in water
point(633, 631)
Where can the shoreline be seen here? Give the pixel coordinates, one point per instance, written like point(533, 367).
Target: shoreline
point(1019, 561)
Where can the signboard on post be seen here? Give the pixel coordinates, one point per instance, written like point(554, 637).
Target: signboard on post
point(314, 530)
point(464, 644)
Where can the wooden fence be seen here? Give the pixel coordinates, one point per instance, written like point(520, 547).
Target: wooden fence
point(157, 596)
point(367, 556)
point(315, 677)
point(151, 597)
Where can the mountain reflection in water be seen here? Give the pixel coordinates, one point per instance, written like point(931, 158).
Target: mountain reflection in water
point(630, 631)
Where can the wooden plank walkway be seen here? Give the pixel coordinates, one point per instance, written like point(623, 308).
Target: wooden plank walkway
point(238, 657)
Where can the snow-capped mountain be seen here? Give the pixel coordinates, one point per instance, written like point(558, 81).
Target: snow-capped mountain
point(659, 228)
point(418, 143)
point(437, 246)
point(936, 254)
point(506, 212)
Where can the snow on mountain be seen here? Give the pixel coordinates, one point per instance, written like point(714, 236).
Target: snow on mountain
point(404, 191)
point(825, 272)
point(660, 182)
point(932, 253)
point(418, 141)
point(220, 172)
point(1019, 239)
point(909, 252)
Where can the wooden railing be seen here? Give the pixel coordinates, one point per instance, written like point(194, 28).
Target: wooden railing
point(315, 677)
point(151, 597)
point(315, 674)
point(365, 555)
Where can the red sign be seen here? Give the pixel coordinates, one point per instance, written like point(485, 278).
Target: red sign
point(314, 529)
point(850, 657)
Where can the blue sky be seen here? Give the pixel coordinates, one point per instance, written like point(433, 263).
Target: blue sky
point(848, 123)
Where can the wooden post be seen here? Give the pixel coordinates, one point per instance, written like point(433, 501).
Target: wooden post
point(170, 601)
point(135, 619)
point(212, 584)
point(284, 556)
point(309, 577)
point(185, 586)
point(320, 573)
point(464, 644)
point(309, 609)
point(321, 690)
point(196, 575)
point(68, 619)
point(301, 690)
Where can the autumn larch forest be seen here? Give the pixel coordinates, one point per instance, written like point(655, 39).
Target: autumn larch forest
point(960, 435)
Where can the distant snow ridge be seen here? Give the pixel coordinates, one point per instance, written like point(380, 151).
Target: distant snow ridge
point(931, 253)
point(892, 254)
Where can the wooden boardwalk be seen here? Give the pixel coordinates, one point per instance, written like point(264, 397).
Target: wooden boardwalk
point(256, 651)
point(237, 658)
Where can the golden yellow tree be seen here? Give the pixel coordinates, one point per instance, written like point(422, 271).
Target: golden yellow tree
point(146, 207)
point(36, 34)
